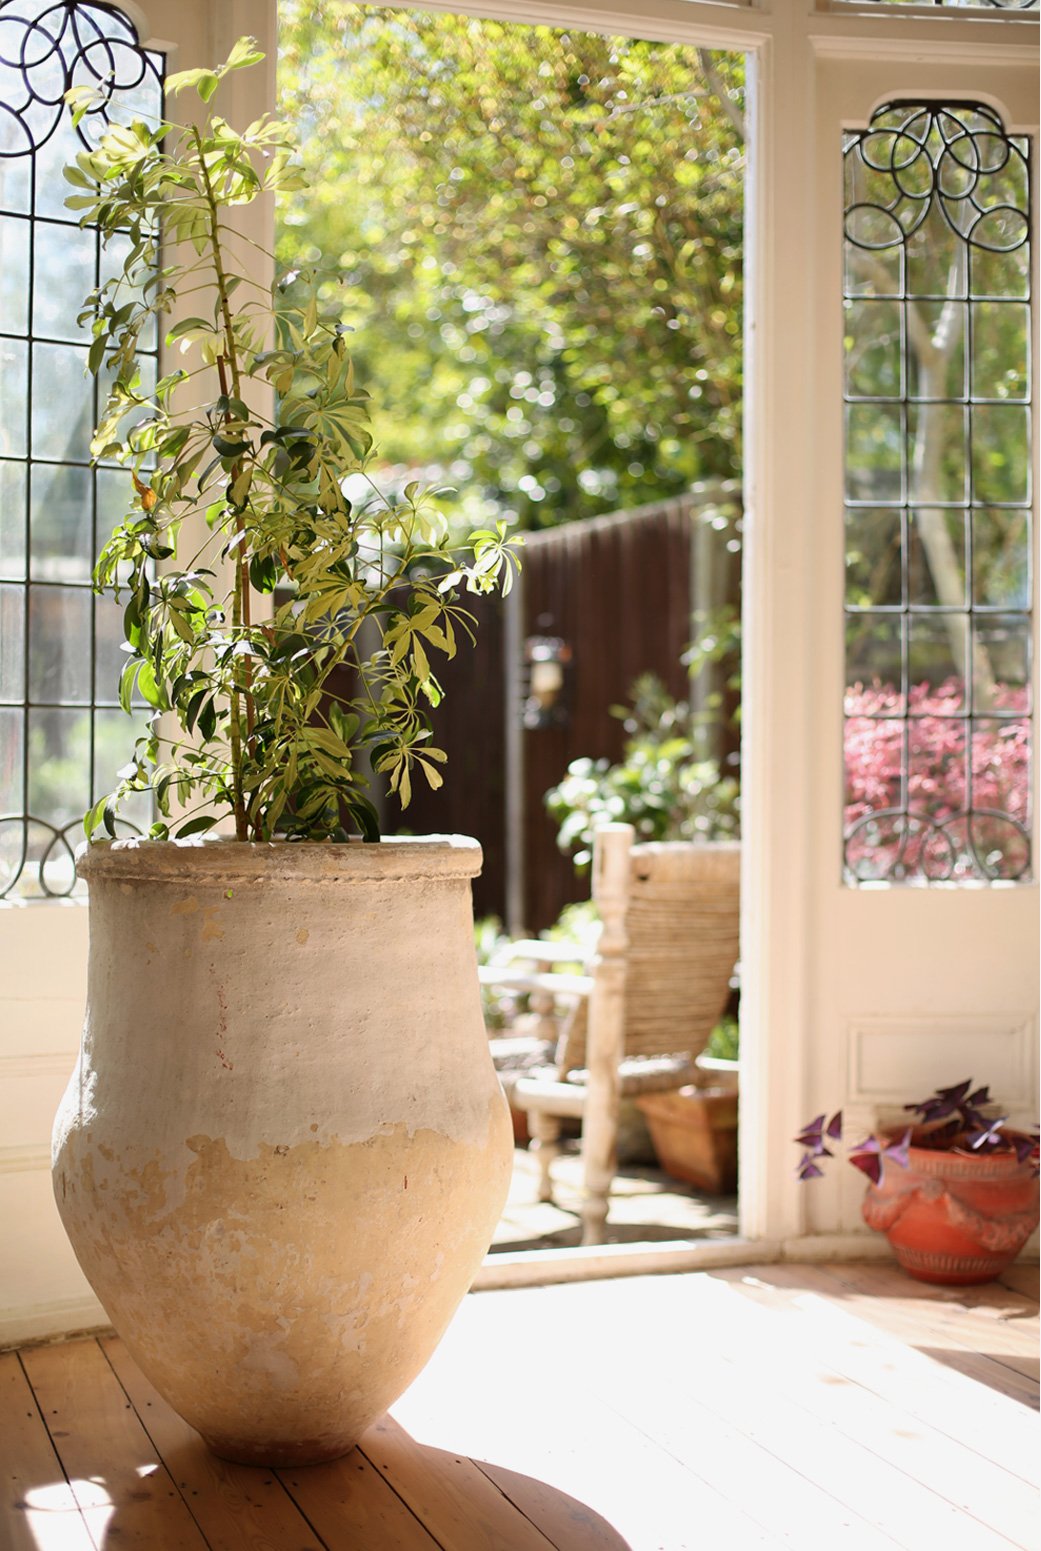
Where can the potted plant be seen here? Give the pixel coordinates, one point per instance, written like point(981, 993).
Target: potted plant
point(955, 1193)
point(283, 1151)
point(694, 1128)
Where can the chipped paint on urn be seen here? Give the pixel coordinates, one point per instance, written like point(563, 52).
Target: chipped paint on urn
point(284, 1150)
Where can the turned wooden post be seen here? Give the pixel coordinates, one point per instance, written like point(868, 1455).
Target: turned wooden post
point(611, 866)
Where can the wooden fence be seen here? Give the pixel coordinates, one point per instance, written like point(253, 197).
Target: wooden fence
point(615, 595)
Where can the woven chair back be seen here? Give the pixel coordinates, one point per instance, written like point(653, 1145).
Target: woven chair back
point(681, 920)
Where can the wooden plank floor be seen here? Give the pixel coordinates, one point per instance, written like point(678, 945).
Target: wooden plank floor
point(770, 1406)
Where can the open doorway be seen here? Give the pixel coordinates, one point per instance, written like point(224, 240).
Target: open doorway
point(540, 234)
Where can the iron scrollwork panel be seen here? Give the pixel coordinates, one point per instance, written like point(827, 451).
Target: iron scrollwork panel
point(62, 733)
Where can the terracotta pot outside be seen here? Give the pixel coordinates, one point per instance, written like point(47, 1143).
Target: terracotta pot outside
point(954, 1218)
point(284, 1149)
point(694, 1131)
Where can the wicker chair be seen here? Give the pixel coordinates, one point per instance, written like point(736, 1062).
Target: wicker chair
point(657, 986)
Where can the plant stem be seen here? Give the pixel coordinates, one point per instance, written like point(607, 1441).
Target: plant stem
point(241, 619)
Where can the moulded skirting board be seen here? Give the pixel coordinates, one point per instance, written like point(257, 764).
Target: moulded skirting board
point(52, 1321)
point(865, 1246)
point(543, 1267)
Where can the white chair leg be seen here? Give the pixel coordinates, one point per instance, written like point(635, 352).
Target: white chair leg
point(600, 1164)
point(545, 1145)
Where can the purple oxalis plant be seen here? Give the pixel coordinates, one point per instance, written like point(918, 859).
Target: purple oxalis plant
point(953, 1118)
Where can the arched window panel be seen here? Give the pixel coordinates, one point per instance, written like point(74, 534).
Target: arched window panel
point(938, 715)
point(63, 735)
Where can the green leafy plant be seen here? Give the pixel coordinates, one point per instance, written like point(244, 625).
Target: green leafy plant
point(237, 461)
point(663, 785)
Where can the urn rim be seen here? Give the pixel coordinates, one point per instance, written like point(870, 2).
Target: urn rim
point(216, 859)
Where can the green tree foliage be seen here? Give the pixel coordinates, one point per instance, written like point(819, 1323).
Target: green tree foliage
point(540, 233)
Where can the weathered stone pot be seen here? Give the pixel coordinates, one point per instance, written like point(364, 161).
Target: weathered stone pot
point(284, 1149)
point(955, 1218)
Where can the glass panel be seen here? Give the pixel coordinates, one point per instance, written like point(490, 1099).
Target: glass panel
point(14, 397)
point(59, 645)
point(14, 275)
point(115, 734)
point(1001, 274)
point(1000, 453)
point(109, 657)
point(14, 174)
point(59, 764)
point(11, 786)
point(874, 349)
point(937, 438)
point(63, 404)
point(12, 644)
point(64, 260)
point(874, 452)
point(1000, 331)
point(937, 652)
point(874, 558)
point(12, 520)
point(874, 665)
point(1001, 559)
point(936, 767)
point(1001, 766)
point(941, 194)
point(1001, 663)
point(936, 364)
point(62, 541)
point(936, 558)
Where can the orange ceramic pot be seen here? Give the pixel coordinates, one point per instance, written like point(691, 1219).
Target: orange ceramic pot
point(955, 1217)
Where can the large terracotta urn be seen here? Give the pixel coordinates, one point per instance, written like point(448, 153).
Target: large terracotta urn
point(284, 1149)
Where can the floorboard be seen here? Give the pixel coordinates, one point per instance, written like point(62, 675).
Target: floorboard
point(756, 1408)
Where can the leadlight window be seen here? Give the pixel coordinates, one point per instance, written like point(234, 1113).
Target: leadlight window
point(62, 733)
point(938, 714)
point(952, 5)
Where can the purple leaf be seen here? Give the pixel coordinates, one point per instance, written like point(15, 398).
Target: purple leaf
point(869, 1163)
point(808, 1169)
point(898, 1150)
point(835, 1126)
point(1023, 1146)
point(812, 1133)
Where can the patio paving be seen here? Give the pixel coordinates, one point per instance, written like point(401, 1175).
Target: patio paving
point(647, 1206)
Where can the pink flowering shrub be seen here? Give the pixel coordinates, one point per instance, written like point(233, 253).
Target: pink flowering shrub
point(942, 829)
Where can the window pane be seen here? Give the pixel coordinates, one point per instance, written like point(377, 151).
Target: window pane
point(14, 397)
point(1000, 453)
point(63, 404)
point(875, 452)
point(64, 260)
point(12, 644)
point(12, 520)
point(942, 680)
point(1000, 331)
point(62, 540)
point(874, 555)
point(59, 764)
point(874, 349)
point(14, 275)
point(874, 664)
point(59, 645)
point(1001, 559)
